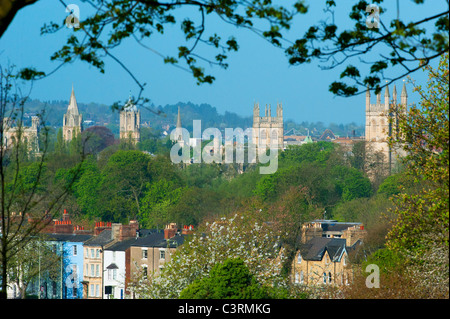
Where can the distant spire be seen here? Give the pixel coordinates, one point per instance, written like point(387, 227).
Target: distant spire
point(179, 119)
point(404, 90)
point(72, 108)
point(394, 95)
point(404, 96)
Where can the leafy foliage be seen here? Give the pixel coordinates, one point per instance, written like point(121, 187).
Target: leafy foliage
point(228, 280)
point(115, 21)
point(410, 45)
point(424, 135)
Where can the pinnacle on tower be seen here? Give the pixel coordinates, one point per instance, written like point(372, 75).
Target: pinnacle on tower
point(379, 98)
point(367, 99)
point(404, 90)
point(404, 96)
point(279, 109)
point(386, 97)
point(394, 94)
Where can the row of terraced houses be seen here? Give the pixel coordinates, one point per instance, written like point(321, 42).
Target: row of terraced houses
point(101, 263)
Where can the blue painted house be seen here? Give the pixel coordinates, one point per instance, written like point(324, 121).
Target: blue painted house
point(67, 284)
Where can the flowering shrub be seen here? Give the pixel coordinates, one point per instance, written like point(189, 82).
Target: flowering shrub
point(257, 245)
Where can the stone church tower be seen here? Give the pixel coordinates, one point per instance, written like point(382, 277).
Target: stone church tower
point(378, 126)
point(72, 120)
point(268, 128)
point(130, 122)
point(26, 134)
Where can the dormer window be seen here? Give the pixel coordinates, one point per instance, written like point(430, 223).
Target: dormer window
point(299, 258)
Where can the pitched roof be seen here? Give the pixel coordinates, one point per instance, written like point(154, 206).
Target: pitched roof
point(69, 237)
point(334, 225)
point(308, 139)
point(112, 266)
point(102, 239)
point(337, 226)
point(315, 248)
point(156, 239)
point(327, 135)
point(121, 245)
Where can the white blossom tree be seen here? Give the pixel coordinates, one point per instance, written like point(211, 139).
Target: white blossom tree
point(256, 244)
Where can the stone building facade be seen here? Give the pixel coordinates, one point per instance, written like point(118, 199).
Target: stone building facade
point(268, 129)
point(380, 124)
point(130, 122)
point(105, 254)
point(149, 254)
point(29, 135)
point(323, 254)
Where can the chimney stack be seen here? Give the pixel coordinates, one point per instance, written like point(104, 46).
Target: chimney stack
point(170, 231)
point(187, 230)
point(66, 216)
point(101, 226)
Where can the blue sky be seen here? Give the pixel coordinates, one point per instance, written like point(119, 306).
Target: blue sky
point(258, 72)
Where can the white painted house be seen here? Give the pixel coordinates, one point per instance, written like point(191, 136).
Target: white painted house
point(114, 269)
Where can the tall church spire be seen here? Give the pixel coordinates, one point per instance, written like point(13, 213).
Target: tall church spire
point(73, 107)
point(72, 120)
point(179, 119)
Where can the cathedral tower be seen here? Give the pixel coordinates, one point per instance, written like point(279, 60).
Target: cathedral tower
point(268, 128)
point(130, 122)
point(380, 125)
point(72, 120)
